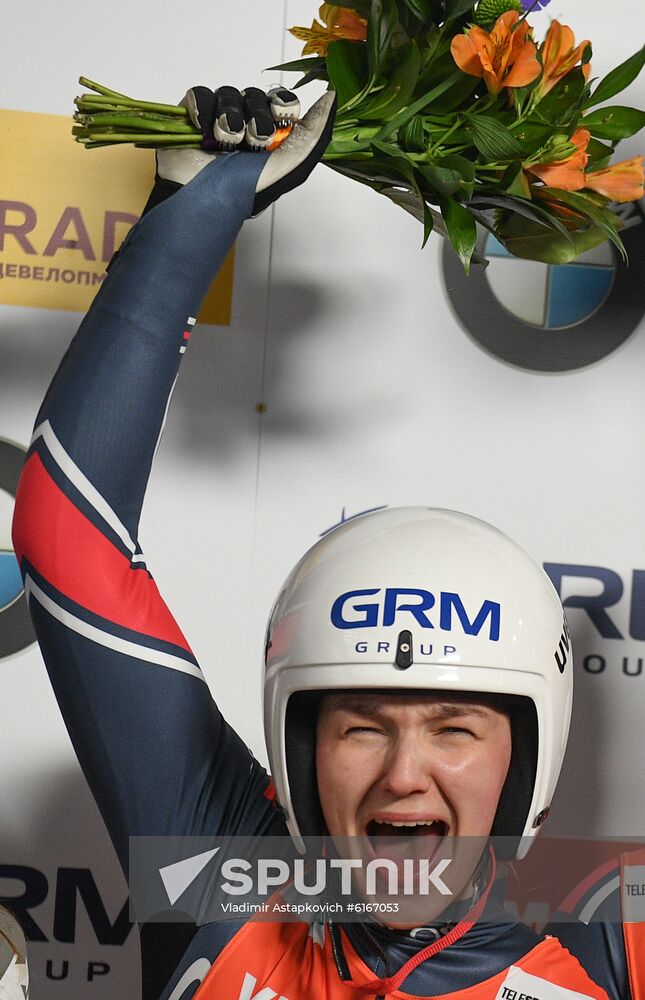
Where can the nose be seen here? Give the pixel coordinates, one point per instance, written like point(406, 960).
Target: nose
point(408, 769)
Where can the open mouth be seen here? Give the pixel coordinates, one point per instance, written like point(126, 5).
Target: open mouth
point(397, 838)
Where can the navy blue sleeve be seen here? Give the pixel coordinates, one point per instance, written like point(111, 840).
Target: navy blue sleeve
point(156, 752)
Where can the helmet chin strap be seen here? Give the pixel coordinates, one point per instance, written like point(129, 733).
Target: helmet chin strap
point(381, 987)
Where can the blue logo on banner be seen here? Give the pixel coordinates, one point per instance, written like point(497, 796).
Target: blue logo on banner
point(550, 296)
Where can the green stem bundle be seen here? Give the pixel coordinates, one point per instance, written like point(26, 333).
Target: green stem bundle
point(105, 117)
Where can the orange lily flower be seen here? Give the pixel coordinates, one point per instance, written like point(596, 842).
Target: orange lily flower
point(559, 54)
point(504, 57)
point(621, 182)
point(337, 22)
point(569, 173)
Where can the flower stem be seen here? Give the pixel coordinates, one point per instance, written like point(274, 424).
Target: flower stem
point(162, 139)
point(140, 121)
point(119, 100)
point(442, 140)
point(98, 87)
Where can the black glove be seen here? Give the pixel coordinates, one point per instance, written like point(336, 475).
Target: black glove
point(231, 120)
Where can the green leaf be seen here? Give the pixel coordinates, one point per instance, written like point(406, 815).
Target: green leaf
point(614, 122)
point(345, 146)
point(514, 182)
point(316, 74)
point(449, 175)
point(420, 104)
point(564, 102)
point(372, 171)
point(437, 63)
point(409, 202)
point(374, 25)
point(459, 92)
point(427, 214)
point(532, 136)
point(465, 168)
point(461, 227)
point(455, 8)
point(398, 92)
point(390, 150)
point(346, 69)
point(531, 241)
point(493, 140)
point(395, 160)
point(382, 23)
point(420, 8)
point(302, 65)
point(601, 217)
point(428, 222)
point(599, 154)
point(520, 206)
point(442, 180)
point(412, 136)
point(617, 79)
point(437, 68)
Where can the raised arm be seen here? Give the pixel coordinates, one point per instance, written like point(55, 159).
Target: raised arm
point(154, 748)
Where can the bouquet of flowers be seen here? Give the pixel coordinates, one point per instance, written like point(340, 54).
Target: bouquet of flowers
point(454, 111)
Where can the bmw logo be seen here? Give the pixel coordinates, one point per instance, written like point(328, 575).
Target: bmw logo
point(546, 317)
point(16, 632)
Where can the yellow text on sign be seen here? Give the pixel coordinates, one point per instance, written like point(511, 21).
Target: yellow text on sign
point(65, 209)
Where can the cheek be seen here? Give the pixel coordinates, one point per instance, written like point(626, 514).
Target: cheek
point(344, 776)
point(473, 780)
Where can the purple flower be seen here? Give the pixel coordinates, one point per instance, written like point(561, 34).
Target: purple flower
point(532, 5)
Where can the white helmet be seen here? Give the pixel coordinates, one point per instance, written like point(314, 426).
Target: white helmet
point(416, 598)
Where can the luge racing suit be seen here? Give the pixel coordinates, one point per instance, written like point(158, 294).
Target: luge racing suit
point(157, 754)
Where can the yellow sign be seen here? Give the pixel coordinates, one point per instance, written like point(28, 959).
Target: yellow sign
point(64, 210)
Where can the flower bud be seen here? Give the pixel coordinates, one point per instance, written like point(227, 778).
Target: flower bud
point(489, 10)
